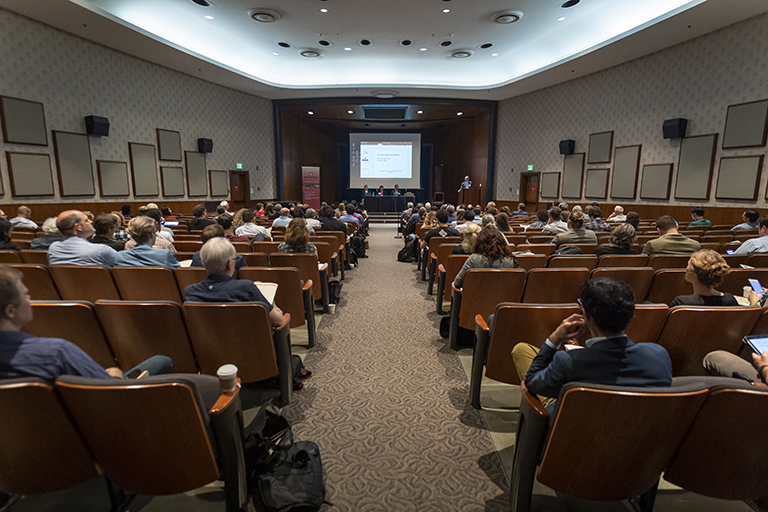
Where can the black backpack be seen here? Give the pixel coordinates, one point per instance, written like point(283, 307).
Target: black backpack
point(358, 246)
point(294, 480)
point(407, 253)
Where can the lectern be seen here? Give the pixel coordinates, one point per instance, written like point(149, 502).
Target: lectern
point(469, 195)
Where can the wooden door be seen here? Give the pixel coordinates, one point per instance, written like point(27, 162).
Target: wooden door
point(529, 190)
point(240, 190)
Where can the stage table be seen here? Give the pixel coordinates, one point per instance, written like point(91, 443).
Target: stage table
point(385, 203)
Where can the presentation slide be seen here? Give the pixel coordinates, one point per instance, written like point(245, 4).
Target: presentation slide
point(385, 159)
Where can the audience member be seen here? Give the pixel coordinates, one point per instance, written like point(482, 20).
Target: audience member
point(51, 235)
point(596, 222)
point(706, 270)
point(670, 241)
point(213, 231)
point(3, 215)
point(284, 219)
point(520, 210)
point(451, 213)
point(269, 211)
point(237, 219)
point(75, 249)
point(5, 236)
point(756, 245)
point(609, 356)
point(24, 355)
point(502, 223)
point(161, 238)
point(430, 221)
point(126, 211)
point(121, 235)
point(442, 229)
point(564, 207)
point(22, 218)
point(250, 228)
point(331, 222)
point(167, 213)
point(260, 209)
point(621, 241)
point(478, 218)
point(104, 227)
point(466, 220)
point(542, 217)
point(218, 256)
point(162, 231)
point(200, 220)
point(311, 217)
point(617, 215)
point(633, 218)
point(488, 220)
point(749, 221)
point(697, 214)
point(143, 253)
point(468, 239)
point(576, 233)
point(225, 205)
point(490, 252)
point(555, 223)
point(225, 221)
point(350, 215)
point(725, 364)
point(297, 239)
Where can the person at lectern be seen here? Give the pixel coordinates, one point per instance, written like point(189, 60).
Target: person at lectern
point(465, 184)
point(396, 191)
point(381, 190)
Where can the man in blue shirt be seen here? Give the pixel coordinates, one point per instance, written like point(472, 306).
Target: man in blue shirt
point(284, 219)
point(350, 216)
point(24, 355)
point(755, 245)
point(750, 221)
point(75, 249)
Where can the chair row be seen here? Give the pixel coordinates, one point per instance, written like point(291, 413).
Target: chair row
point(294, 292)
point(198, 337)
point(611, 443)
point(688, 333)
point(156, 436)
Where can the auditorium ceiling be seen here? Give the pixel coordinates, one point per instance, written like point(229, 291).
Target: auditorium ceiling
point(460, 49)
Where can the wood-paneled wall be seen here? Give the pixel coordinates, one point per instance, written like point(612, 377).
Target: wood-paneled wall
point(304, 145)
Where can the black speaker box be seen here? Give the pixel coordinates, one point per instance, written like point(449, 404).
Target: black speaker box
point(95, 125)
point(204, 145)
point(567, 146)
point(674, 128)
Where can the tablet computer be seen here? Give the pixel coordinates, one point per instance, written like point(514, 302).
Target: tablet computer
point(758, 342)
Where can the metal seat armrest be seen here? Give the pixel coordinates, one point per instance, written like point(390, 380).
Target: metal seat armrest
point(532, 428)
point(479, 355)
point(453, 336)
point(281, 336)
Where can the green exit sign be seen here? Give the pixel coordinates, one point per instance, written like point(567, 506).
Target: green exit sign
point(530, 167)
point(239, 166)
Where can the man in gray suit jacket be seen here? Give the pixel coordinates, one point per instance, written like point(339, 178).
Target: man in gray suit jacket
point(670, 241)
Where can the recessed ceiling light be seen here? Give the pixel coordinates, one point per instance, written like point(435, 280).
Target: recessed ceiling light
point(348, 49)
point(323, 42)
point(323, 10)
point(283, 44)
point(561, 18)
point(486, 46)
point(446, 43)
point(419, 111)
point(446, 10)
point(310, 54)
point(310, 113)
point(208, 17)
point(570, 3)
point(275, 53)
point(459, 113)
point(406, 42)
point(422, 49)
point(385, 94)
point(350, 111)
point(264, 15)
point(203, 3)
point(461, 54)
point(494, 55)
point(365, 42)
point(505, 18)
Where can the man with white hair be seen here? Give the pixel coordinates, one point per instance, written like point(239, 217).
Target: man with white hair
point(22, 218)
point(219, 257)
point(225, 205)
point(51, 235)
point(617, 215)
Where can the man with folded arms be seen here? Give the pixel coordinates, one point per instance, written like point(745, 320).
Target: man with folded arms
point(24, 355)
point(75, 249)
point(609, 357)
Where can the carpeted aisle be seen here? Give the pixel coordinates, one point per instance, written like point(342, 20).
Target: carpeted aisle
point(388, 401)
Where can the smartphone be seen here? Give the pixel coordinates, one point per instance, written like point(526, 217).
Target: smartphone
point(758, 342)
point(755, 284)
point(729, 251)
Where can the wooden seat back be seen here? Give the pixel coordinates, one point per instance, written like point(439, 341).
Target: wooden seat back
point(554, 285)
point(265, 247)
point(659, 261)
point(35, 257)
point(545, 249)
point(146, 283)
point(326, 254)
point(289, 289)
point(668, 284)
point(531, 261)
point(588, 261)
point(242, 247)
point(10, 257)
point(721, 239)
point(138, 330)
point(735, 280)
point(692, 332)
point(758, 260)
point(647, 322)
point(74, 321)
point(307, 264)
point(622, 260)
point(38, 281)
point(539, 239)
point(188, 245)
point(736, 260)
point(182, 256)
point(516, 239)
point(22, 244)
point(41, 449)
point(586, 248)
point(187, 276)
point(441, 255)
point(485, 288)
point(453, 264)
point(84, 283)
point(278, 230)
point(256, 259)
point(638, 278)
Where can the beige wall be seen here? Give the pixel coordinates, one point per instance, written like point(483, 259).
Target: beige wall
point(74, 78)
point(696, 80)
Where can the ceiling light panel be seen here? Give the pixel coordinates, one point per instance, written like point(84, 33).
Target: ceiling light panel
point(238, 43)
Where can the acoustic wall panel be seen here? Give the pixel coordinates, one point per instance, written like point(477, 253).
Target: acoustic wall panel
point(169, 145)
point(746, 125)
point(23, 121)
point(573, 174)
point(197, 182)
point(694, 168)
point(626, 163)
point(30, 174)
point(73, 163)
point(144, 169)
point(600, 148)
point(113, 178)
point(219, 183)
point(597, 183)
point(172, 179)
point(656, 181)
point(739, 177)
point(550, 185)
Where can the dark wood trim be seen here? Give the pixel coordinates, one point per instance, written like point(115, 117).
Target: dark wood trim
point(160, 147)
point(162, 180)
point(637, 170)
point(711, 167)
point(610, 152)
point(10, 174)
point(58, 162)
point(5, 121)
point(524, 175)
point(133, 175)
point(491, 167)
point(607, 180)
point(541, 189)
point(210, 184)
point(669, 183)
point(581, 177)
point(101, 188)
point(765, 126)
point(186, 170)
point(757, 178)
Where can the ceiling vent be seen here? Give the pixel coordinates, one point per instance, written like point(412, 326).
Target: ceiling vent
point(388, 113)
point(506, 18)
point(385, 94)
point(461, 54)
point(310, 54)
point(204, 3)
point(264, 15)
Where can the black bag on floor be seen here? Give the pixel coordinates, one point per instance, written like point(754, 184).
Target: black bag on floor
point(264, 437)
point(334, 290)
point(357, 245)
point(294, 480)
point(408, 252)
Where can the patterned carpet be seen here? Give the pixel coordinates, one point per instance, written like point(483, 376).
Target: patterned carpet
point(388, 401)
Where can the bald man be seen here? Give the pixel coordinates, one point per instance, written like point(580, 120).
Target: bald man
point(75, 249)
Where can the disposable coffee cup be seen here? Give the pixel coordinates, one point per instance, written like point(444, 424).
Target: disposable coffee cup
point(331, 308)
point(227, 377)
point(746, 291)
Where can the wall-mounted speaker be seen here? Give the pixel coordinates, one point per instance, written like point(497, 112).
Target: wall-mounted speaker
point(95, 125)
point(674, 128)
point(567, 146)
point(204, 145)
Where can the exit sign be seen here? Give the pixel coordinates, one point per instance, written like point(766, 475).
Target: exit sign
point(530, 167)
point(239, 166)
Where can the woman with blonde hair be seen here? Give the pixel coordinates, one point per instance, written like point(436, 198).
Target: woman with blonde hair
point(706, 270)
point(237, 220)
point(431, 221)
point(468, 239)
point(297, 239)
